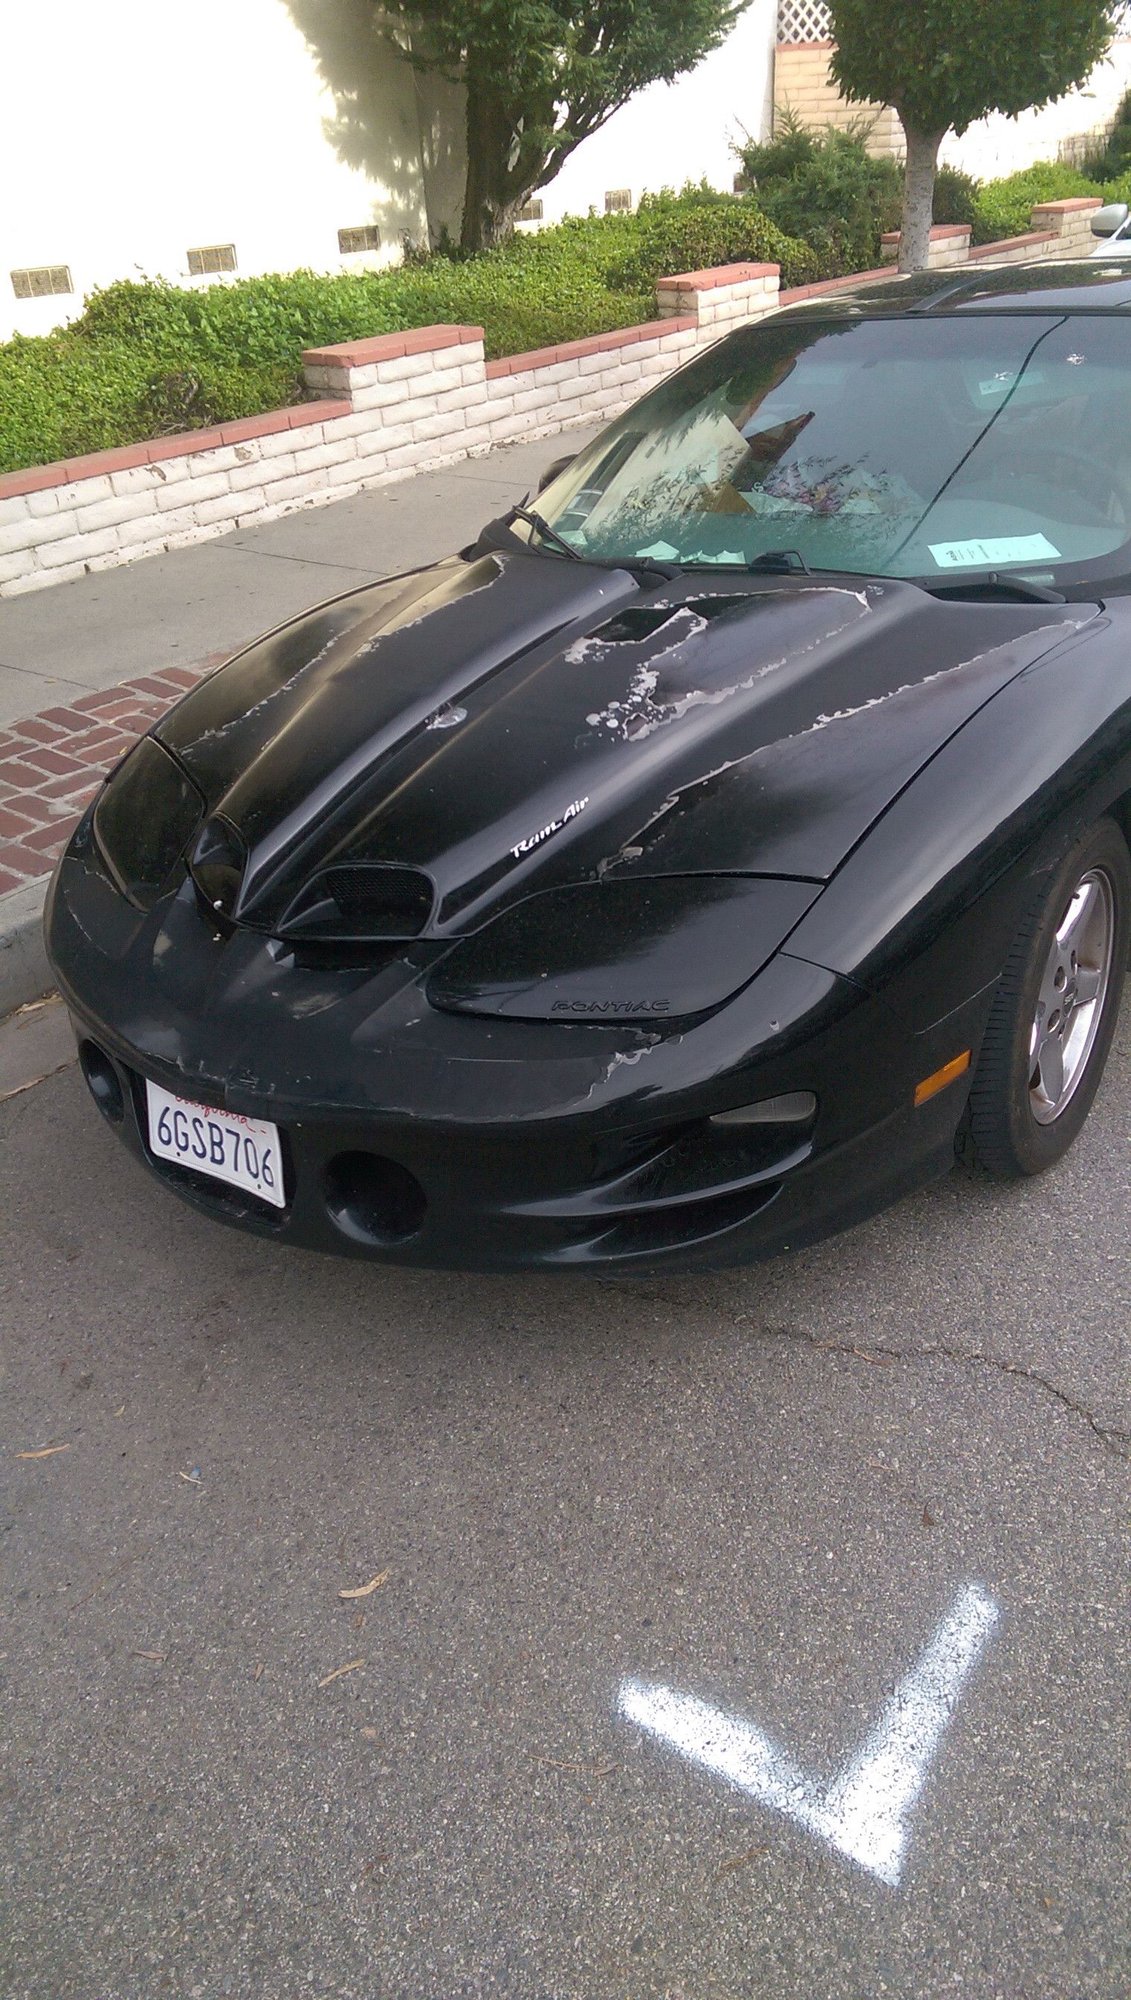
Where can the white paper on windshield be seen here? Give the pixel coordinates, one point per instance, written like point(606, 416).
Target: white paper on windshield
point(659, 551)
point(999, 549)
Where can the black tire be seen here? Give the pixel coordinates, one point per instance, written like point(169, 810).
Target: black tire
point(1015, 1123)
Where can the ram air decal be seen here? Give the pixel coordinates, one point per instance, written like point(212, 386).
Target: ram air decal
point(534, 840)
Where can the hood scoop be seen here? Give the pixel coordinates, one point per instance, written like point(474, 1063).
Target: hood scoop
point(638, 622)
point(361, 900)
point(635, 623)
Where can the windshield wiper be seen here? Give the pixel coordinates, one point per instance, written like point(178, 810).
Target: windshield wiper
point(543, 529)
point(638, 567)
point(780, 562)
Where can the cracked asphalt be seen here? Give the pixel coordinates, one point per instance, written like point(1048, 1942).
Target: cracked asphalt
point(762, 1489)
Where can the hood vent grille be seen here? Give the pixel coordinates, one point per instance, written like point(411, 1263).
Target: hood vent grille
point(362, 900)
point(639, 621)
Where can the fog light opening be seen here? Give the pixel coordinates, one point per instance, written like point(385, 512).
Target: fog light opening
point(373, 1200)
point(102, 1082)
point(794, 1107)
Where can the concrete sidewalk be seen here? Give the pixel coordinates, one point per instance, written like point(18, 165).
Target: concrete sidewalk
point(86, 665)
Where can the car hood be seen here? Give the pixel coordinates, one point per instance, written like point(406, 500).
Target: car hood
point(500, 725)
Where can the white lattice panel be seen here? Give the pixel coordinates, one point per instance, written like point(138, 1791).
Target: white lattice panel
point(804, 21)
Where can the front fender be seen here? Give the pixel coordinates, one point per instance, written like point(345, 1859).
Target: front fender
point(925, 909)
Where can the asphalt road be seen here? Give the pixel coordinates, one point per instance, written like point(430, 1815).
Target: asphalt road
point(763, 1490)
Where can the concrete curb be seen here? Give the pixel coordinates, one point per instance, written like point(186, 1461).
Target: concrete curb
point(24, 971)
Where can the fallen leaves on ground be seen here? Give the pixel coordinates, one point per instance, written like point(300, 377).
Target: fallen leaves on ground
point(581, 1769)
point(367, 1589)
point(45, 1451)
point(742, 1860)
point(350, 1667)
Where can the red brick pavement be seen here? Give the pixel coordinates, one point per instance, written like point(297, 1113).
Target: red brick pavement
point(52, 764)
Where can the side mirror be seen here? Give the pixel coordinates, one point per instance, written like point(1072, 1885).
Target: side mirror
point(552, 471)
point(1108, 221)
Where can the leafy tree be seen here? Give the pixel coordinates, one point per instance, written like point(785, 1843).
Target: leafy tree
point(945, 63)
point(541, 75)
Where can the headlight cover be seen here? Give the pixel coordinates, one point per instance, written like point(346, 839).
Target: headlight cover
point(144, 820)
point(645, 950)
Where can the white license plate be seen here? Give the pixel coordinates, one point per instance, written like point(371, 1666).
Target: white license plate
point(245, 1152)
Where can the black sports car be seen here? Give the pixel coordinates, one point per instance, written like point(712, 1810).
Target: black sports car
point(687, 868)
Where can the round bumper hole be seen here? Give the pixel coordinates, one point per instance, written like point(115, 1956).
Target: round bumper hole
point(102, 1082)
point(373, 1200)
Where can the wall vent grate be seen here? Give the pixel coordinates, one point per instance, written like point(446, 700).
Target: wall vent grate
point(43, 281)
point(366, 236)
point(212, 259)
point(617, 200)
point(531, 211)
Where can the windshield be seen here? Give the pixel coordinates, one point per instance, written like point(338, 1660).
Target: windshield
point(923, 448)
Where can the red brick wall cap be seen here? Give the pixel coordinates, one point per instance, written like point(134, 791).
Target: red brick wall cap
point(985, 252)
point(723, 274)
point(390, 346)
point(596, 343)
point(796, 293)
point(123, 458)
point(939, 232)
point(1078, 201)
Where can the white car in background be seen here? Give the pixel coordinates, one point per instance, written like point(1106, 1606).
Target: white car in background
point(1113, 223)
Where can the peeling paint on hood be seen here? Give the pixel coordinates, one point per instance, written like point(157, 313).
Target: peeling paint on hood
point(695, 724)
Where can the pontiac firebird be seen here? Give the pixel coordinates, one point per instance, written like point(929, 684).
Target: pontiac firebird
point(690, 866)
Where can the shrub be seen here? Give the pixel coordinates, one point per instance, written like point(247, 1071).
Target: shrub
point(694, 231)
point(826, 189)
point(147, 358)
point(956, 196)
point(1003, 206)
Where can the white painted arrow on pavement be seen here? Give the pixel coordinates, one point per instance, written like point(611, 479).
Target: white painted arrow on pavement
point(865, 1808)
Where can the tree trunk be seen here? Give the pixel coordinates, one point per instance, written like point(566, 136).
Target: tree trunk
point(918, 197)
point(489, 208)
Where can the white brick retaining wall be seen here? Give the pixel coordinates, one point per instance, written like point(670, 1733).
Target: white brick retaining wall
point(401, 403)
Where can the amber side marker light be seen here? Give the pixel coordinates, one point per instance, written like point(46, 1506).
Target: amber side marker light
point(939, 1078)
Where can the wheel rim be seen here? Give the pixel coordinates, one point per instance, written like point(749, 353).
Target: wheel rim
point(1070, 1003)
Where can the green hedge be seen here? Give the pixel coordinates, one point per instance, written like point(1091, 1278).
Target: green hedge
point(1003, 207)
point(147, 359)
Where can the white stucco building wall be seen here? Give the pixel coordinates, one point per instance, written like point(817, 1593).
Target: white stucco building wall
point(132, 132)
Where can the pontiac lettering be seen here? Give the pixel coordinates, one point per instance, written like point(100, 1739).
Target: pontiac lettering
point(610, 1006)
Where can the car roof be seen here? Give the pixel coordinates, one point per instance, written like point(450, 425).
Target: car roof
point(986, 287)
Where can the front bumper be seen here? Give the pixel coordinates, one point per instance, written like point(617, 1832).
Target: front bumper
point(428, 1138)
